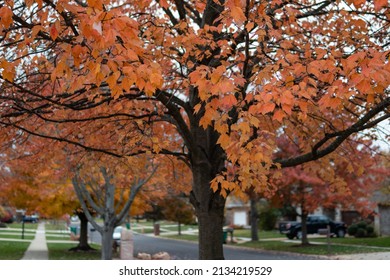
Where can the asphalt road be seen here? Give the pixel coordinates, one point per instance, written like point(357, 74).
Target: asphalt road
point(184, 250)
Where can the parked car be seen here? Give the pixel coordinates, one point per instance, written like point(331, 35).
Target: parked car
point(116, 236)
point(30, 219)
point(9, 219)
point(314, 223)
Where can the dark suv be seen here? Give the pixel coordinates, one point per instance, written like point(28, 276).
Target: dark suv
point(30, 219)
point(315, 223)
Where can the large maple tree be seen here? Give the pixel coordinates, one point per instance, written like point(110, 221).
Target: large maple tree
point(212, 83)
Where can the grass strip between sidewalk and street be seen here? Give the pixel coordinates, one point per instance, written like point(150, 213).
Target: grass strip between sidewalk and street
point(186, 237)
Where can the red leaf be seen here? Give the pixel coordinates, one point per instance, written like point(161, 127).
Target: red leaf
point(379, 4)
point(53, 32)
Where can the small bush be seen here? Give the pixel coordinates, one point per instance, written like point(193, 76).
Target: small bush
point(370, 229)
point(362, 225)
point(361, 232)
point(362, 229)
point(268, 218)
point(352, 230)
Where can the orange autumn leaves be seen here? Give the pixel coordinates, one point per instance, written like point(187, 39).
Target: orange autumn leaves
point(258, 71)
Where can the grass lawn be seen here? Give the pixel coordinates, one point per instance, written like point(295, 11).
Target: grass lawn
point(60, 251)
point(144, 230)
point(377, 242)
point(311, 249)
point(16, 236)
point(187, 237)
point(26, 226)
point(57, 237)
point(11, 250)
point(55, 226)
point(262, 234)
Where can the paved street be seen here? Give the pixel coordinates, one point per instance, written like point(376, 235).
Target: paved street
point(184, 250)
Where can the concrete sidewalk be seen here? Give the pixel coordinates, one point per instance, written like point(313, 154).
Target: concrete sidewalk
point(38, 248)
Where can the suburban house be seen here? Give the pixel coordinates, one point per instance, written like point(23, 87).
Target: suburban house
point(382, 198)
point(237, 212)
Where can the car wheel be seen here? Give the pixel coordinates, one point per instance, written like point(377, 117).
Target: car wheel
point(299, 234)
point(289, 236)
point(340, 233)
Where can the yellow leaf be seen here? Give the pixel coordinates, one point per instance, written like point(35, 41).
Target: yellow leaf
point(224, 140)
point(8, 72)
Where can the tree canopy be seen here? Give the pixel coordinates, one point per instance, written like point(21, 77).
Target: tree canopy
point(211, 83)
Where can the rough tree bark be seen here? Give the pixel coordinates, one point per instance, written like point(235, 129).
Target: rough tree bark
point(207, 161)
point(254, 219)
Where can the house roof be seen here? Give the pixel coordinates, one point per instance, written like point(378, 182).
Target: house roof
point(233, 201)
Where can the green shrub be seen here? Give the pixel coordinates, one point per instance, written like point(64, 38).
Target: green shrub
point(268, 218)
point(361, 232)
point(362, 229)
point(370, 229)
point(362, 225)
point(352, 229)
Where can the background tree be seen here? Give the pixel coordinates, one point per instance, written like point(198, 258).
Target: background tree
point(3, 214)
point(108, 196)
point(347, 185)
point(213, 83)
point(179, 210)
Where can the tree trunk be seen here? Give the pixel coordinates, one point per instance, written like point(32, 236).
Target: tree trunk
point(211, 234)
point(83, 239)
point(209, 208)
point(179, 227)
point(254, 220)
point(107, 243)
point(305, 240)
point(207, 161)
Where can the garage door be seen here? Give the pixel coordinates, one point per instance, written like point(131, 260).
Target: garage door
point(240, 218)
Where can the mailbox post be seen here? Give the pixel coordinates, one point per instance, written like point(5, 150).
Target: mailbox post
point(127, 245)
point(23, 226)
